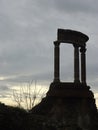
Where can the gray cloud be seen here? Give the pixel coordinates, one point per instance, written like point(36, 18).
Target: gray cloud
point(4, 88)
point(5, 91)
point(77, 6)
point(27, 31)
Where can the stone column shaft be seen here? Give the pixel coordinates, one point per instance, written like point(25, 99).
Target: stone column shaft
point(56, 62)
point(76, 64)
point(83, 64)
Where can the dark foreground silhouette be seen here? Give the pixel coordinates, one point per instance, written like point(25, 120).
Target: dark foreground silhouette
point(14, 118)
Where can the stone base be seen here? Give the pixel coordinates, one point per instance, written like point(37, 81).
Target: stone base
point(68, 106)
point(62, 89)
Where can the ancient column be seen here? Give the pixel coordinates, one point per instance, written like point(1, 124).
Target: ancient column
point(76, 63)
point(56, 61)
point(83, 64)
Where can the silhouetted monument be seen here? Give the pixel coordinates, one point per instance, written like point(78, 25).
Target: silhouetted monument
point(77, 39)
point(69, 105)
point(77, 88)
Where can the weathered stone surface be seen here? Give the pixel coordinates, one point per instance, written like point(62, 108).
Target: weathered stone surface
point(68, 113)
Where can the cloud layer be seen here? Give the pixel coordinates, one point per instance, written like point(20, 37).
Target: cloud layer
point(27, 31)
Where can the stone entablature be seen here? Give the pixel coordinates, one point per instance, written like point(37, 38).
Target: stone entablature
point(71, 36)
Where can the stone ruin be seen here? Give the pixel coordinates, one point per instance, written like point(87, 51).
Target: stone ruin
point(69, 105)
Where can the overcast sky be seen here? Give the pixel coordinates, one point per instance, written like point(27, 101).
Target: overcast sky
point(27, 31)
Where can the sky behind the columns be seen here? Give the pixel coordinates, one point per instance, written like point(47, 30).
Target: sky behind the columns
point(27, 31)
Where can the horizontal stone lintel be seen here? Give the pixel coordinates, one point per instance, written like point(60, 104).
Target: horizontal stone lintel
point(71, 36)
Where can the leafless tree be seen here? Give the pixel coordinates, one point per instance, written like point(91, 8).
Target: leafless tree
point(28, 95)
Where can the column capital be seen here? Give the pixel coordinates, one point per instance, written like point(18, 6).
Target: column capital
point(83, 49)
point(56, 43)
point(76, 45)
